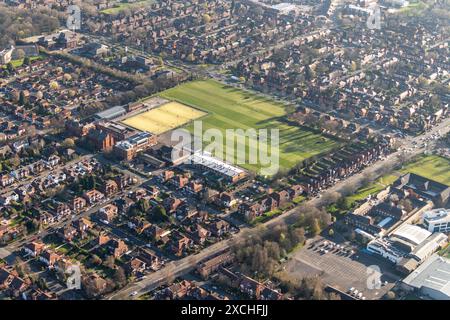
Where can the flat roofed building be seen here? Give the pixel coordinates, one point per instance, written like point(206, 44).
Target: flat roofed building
point(386, 249)
point(396, 3)
point(128, 149)
point(286, 8)
point(118, 131)
point(351, 8)
point(437, 220)
point(30, 50)
point(429, 246)
point(206, 160)
point(408, 246)
point(111, 113)
point(432, 278)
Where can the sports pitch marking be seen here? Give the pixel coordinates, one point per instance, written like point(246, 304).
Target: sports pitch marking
point(164, 118)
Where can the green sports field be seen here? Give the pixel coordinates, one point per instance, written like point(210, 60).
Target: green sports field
point(127, 5)
point(432, 167)
point(164, 118)
point(231, 108)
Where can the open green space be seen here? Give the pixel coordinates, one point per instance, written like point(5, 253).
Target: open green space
point(433, 167)
point(415, 8)
point(19, 62)
point(373, 188)
point(231, 108)
point(266, 217)
point(126, 5)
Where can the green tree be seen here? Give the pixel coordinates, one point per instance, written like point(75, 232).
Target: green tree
point(206, 18)
point(143, 205)
point(42, 284)
point(68, 143)
point(343, 203)
point(160, 214)
point(32, 225)
point(96, 260)
point(191, 57)
point(20, 54)
point(10, 67)
point(315, 227)
point(67, 77)
point(309, 73)
point(110, 262)
point(22, 98)
point(390, 295)
point(54, 85)
point(119, 277)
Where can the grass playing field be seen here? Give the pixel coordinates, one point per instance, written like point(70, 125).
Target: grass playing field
point(125, 5)
point(432, 167)
point(231, 108)
point(164, 118)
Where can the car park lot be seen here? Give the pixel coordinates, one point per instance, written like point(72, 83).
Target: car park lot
point(344, 267)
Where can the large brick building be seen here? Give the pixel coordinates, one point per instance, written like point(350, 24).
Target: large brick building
point(101, 140)
point(129, 148)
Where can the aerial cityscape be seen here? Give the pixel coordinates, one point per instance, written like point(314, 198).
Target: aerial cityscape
point(224, 150)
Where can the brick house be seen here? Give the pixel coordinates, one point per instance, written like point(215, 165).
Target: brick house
point(93, 196)
point(77, 204)
point(117, 247)
point(109, 187)
point(108, 213)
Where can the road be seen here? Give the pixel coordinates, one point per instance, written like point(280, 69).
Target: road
point(8, 251)
point(213, 68)
point(187, 264)
point(171, 270)
point(45, 173)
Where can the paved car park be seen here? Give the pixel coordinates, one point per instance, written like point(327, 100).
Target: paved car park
point(344, 268)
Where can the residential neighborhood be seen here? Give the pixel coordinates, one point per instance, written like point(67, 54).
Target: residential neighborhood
point(224, 150)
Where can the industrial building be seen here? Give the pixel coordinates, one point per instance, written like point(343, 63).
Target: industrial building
point(360, 11)
point(111, 113)
point(408, 246)
point(410, 236)
point(207, 161)
point(431, 279)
